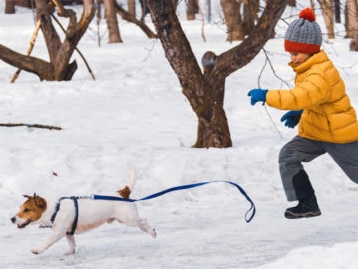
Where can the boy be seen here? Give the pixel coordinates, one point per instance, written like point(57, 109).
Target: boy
point(321, 107)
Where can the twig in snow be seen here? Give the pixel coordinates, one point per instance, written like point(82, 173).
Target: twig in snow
point(30, 126)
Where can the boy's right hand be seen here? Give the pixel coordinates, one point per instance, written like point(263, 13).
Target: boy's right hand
point(292, 118)
point(257, 95)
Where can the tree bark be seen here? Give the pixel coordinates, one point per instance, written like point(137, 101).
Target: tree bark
point(351, 12)
point(337, 11)
point(328, 16)
point(59, 67)
point(9, 7)
point(192, 9)
point(131, 7)
point(112, 22)
point(292, 3)
point(250, 16)
point(233, 20)
point(205, 90)
point(352, 23)
point(27, 63)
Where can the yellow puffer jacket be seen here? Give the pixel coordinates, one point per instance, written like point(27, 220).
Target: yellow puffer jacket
point(327, 112)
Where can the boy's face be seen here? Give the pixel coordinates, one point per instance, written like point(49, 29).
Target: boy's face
point(298, 57)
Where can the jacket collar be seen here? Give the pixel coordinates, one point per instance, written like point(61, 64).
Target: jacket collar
point(317, 58)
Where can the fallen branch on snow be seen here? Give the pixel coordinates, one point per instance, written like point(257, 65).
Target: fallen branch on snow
point(30, 126)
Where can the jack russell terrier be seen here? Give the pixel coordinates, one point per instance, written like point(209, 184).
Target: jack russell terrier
point(73, 215)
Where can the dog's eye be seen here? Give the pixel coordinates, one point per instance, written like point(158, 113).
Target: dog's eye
point(27, 210)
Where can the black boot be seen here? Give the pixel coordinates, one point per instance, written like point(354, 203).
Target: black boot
point(307, 203)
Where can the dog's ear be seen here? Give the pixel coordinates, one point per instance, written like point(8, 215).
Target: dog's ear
point(40, 202)
point(26, 196)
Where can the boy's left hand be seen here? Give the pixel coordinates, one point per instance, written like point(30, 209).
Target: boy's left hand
point(291, 118)
point(257, 95)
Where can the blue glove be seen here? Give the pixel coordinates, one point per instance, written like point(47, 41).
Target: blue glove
point(257, 95)
point(292, 118)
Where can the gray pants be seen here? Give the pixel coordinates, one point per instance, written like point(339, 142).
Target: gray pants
point(300, 150)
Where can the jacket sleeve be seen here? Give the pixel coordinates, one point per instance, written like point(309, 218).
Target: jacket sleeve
point(310, 92)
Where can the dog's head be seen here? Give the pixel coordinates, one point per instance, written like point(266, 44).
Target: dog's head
point(30, 211)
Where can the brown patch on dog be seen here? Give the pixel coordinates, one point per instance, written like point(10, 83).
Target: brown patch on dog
point(32, 209)
point(125, 192)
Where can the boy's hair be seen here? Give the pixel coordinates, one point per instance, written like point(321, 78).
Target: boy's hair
point(304, 35)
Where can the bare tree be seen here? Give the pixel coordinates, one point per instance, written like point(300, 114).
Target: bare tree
point(205, 89)
point(292, 3)
point(9, 7)
point(110, 15)
point(192, 9)
point(240, 17)
point(352, 23)
point(328, 16)
point(337, 11)
point(59, 67)
point(131, 7)
point(251, 8)
point(233, 20)
point(145, 9)
point(351, 12)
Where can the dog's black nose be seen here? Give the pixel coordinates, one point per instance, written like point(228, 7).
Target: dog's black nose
point(13, 219)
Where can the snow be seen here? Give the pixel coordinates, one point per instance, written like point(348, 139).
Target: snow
point(135, 112)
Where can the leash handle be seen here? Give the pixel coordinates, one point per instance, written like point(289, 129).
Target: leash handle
point(248, 216)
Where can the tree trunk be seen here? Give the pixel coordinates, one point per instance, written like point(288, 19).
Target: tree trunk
point(145, 9)
point(131, 7)
point(205, 90)
point(250, 16)
point(292, 3)
point(174, 3)
point(337, 11)
point(351, 12)
point(352, 22)
point(9, 7)
point(328, 16)
point(112, 23)
point(233, 21)
point(204, 96)
point(192, 9)
point(353, 45)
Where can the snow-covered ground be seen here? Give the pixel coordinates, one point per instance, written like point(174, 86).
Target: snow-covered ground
point(135, 112)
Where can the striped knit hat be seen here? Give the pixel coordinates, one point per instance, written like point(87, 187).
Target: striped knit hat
point(304, 35)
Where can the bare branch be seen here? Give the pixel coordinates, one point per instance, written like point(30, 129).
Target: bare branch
point(128, 17)
point(78, 51)
point(30, 126)
point(43, 69)
point(29, 50)
point(268, 60)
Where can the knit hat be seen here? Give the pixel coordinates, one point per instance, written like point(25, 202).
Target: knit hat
point(304, 35)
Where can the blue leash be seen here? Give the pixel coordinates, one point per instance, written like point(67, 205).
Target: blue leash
point(183, 187)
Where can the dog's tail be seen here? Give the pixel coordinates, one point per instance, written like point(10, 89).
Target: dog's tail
point(126, 191)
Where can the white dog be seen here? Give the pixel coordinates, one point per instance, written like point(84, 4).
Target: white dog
point(69, 215)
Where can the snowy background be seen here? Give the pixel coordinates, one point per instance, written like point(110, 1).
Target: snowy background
point(135, 112)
